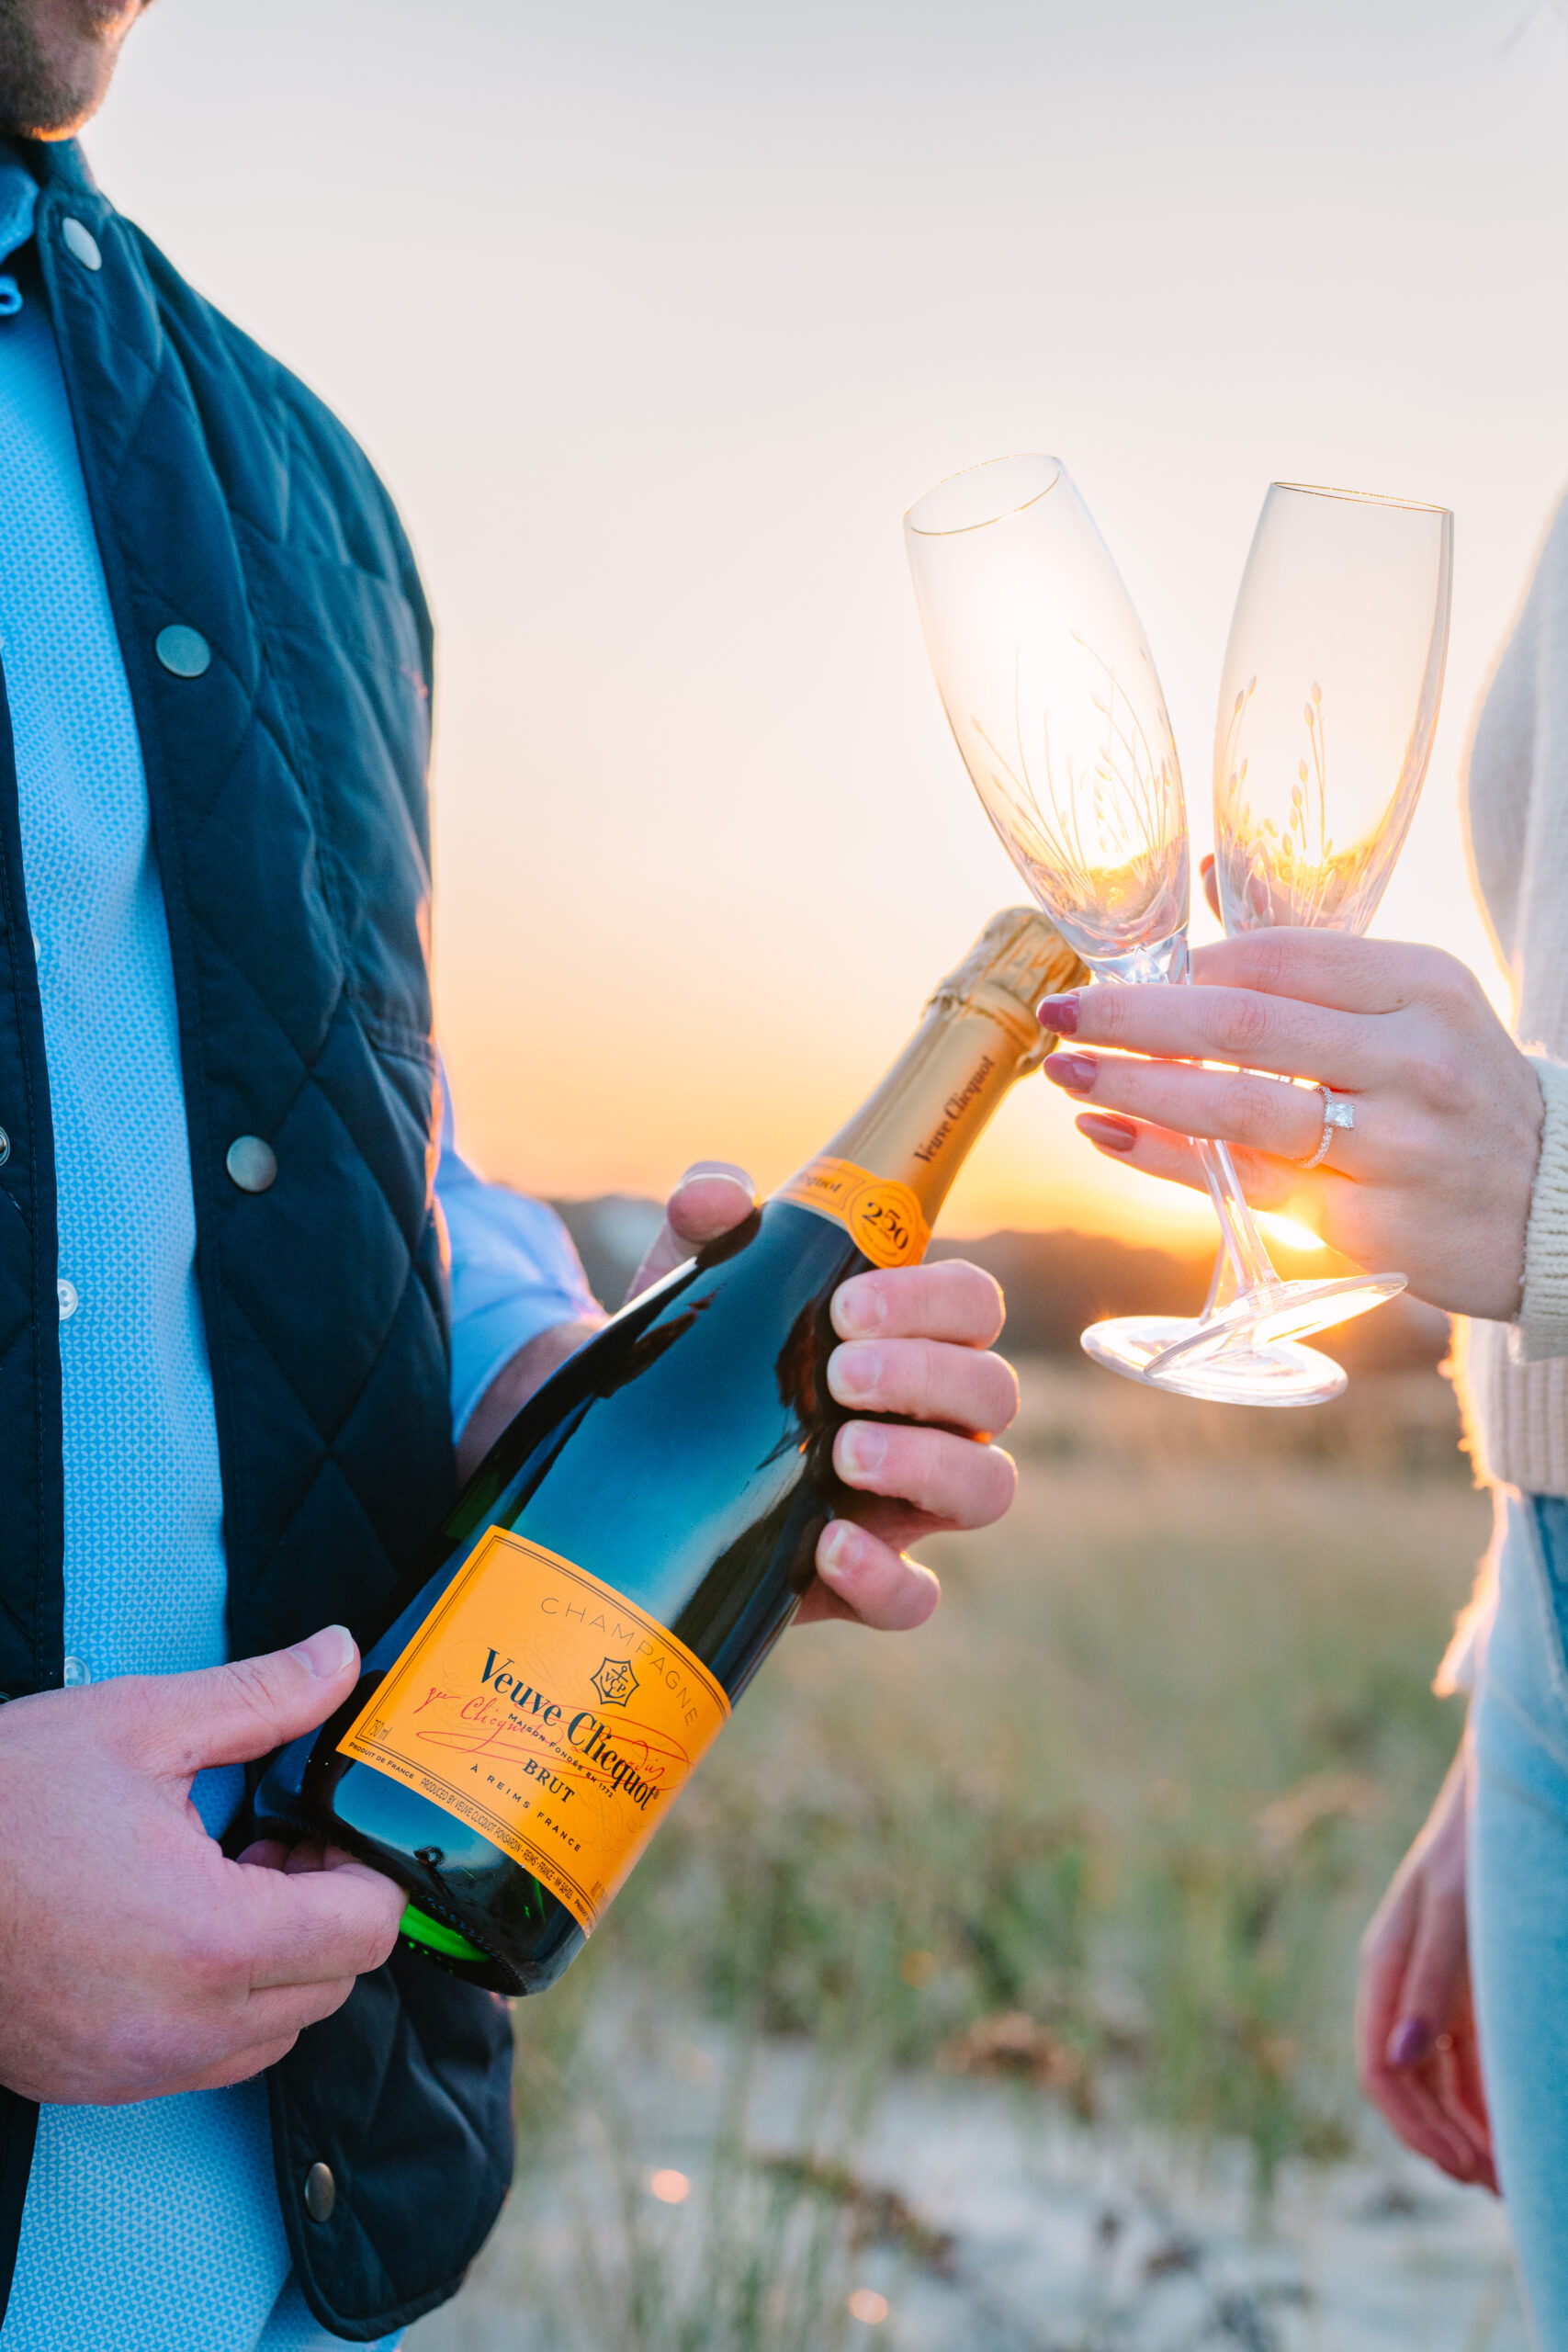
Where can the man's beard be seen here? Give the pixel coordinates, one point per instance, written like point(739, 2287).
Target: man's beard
point(47, 88)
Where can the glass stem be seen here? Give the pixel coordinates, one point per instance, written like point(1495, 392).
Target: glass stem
point(1165, 963)
point(1251, 1267)
point(1249, 1262)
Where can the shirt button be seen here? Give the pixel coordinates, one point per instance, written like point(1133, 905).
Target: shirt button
point(321, 2192)
point(185, 653)
point(77, 1671)
point(80, 243)
point(70, 1299)
point(5, 1146)
point(251, 1164)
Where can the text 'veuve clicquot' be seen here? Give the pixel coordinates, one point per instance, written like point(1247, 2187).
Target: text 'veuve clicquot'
point(622, 1561)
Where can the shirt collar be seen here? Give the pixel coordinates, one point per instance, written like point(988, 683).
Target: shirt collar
point(18, 198)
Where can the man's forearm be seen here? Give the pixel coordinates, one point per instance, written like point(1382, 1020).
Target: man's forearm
point(513, 1385)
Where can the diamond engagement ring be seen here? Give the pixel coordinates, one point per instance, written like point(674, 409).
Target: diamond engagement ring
point(1338, 1111)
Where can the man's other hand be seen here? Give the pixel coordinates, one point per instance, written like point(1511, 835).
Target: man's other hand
point(917, 1342)
point(135, 1960)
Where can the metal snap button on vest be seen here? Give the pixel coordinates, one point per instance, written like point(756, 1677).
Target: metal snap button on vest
point(5, 1146)
point(80, 243)
point(69, 1298)
point(183, 651)
point(321, 2192)
point(251, 1164)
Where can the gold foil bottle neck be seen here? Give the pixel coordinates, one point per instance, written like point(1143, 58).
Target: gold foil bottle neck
point(978, 1037)
point(1019, 958)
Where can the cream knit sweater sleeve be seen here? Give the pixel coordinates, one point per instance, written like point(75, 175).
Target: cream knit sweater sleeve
point(1541, 1331)
point(1513, 1379)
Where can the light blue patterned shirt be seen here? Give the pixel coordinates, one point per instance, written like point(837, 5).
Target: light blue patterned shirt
point(164, 2214)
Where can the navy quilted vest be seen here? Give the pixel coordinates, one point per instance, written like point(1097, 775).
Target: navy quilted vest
point(288, 788)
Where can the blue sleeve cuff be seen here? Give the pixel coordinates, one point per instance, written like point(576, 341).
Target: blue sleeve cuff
point(514, 1274)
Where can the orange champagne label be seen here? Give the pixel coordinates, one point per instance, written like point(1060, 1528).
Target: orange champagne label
point(539, 1706)
point(881, 1216)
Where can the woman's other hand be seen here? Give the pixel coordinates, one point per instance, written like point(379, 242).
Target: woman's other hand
point(1417, 2050)
point(1434, 1177)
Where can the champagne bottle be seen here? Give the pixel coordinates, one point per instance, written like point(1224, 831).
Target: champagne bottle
point(639, 1535)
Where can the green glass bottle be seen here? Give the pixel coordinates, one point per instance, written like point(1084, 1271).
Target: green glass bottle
point(640, 1535)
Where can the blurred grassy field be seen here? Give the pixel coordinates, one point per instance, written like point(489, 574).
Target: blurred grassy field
point(1109, 1825)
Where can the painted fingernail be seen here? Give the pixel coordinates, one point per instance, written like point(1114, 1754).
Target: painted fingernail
point(1061, 1013)
point(863, 1447)
point(1411, 2041)
point(860, 1308)
point(1111, 1135)
point(1074, 1071)
point(853, 1373)
point(326, 1653)
point(838, 1550)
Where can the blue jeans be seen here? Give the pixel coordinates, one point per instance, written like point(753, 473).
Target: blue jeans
point(1518, 1898)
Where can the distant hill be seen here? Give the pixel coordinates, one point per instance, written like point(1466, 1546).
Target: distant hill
point(1055, 1282)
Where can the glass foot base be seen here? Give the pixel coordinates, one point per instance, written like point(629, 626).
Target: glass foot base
point(1292, 1310)
point(1192, 1357)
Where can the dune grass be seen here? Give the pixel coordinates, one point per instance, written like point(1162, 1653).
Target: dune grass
point(1110, 1824)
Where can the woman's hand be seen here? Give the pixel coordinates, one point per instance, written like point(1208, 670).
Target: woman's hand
point(1417, 2050)
point(1434, 1177)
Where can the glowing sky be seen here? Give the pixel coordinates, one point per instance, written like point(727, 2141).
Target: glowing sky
point(655, 319)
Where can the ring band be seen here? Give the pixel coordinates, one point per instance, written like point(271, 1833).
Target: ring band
point(1338, 1111)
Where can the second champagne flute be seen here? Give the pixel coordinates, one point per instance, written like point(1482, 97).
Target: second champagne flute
point(1328, 706)
point(1050, 690)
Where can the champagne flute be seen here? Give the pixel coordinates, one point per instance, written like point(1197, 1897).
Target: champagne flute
point(1328, 706)
point(1050, 690)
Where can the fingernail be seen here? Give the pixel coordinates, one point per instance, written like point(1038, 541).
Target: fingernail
point(1074, 1071)
point(1111, 1135)
point(326, 1653)
point(859, 1307)
point(863, 1446)
point(838, 1550)
point(853, 1373)
point(1410, 2041)
point(712, 1176)
point(1061, 1013)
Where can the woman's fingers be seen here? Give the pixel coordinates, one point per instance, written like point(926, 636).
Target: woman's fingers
point(1451, 2071)
point(1264, 1113)
point(1415, 2042)
point(1380, 1980)
point(1409, 2104)
point(1391, 2062)
point(1435, 1970)
point(1465, 2095)
point(1299, 1004)
point(1328, 968)
point(1226, 1024)
point(1268, 1182)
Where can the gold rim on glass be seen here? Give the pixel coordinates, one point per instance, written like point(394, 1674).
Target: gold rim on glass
point(1360, 497)
point(966, 474)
